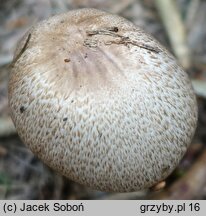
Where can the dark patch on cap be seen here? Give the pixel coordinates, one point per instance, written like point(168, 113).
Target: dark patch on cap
point(22, 109)
point(115, 29)
point(65, 119)
point(67, 60)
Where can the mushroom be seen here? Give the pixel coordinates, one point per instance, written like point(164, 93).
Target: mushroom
point(100, 101)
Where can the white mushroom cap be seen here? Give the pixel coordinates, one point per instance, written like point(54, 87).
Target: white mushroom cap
point(101, 101)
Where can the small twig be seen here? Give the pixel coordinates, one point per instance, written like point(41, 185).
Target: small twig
point(119, 39)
